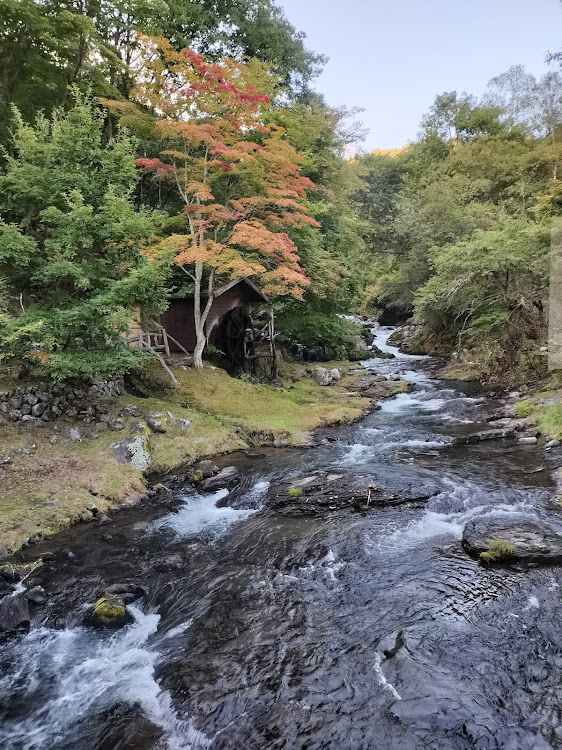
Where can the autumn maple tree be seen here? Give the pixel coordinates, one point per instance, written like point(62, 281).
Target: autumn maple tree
point(238, 180)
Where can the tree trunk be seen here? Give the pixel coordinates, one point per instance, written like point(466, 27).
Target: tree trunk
point(201, 316)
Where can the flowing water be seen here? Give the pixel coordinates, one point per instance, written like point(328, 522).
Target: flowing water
point(345, 632)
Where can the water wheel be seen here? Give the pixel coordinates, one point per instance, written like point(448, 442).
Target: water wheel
point(237, 339)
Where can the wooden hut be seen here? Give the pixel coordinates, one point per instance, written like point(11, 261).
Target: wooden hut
point(229, 325)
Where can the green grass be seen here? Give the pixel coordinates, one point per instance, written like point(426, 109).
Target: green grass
point(549, 420)
point(498, 551)
point(50, 489)
point(225, 415)
point(262, 410)
point(295, 492)
point(524, 408)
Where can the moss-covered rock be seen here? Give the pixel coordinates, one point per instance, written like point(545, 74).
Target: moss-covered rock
point(396, 337)
point(109, 612)
point(135, 450)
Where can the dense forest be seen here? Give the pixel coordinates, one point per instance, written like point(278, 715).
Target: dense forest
point(460, 224)
point(151, 148)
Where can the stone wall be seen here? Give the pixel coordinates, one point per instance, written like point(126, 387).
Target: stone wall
point(74, 400)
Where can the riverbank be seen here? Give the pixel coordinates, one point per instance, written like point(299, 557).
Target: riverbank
point(59, 474)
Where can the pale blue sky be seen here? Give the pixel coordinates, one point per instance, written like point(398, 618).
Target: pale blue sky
point(391, 57)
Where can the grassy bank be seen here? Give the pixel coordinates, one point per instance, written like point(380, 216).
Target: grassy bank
point(544, 405)
point(49, 481)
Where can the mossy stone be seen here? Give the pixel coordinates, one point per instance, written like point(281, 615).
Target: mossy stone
point(109, 612)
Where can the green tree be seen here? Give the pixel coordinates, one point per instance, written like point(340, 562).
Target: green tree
point(46, 46)
point(71, 246)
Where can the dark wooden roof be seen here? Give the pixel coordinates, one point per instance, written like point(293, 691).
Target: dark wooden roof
point(251, 290)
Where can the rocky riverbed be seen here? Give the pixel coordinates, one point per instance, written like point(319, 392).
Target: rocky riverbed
point(329, 597)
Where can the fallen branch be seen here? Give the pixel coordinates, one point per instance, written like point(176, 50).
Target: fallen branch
point(162, 362)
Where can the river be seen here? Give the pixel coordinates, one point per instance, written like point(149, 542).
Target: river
point(263, 630)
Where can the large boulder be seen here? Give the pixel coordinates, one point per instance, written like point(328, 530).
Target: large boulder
point(322, 376)
point(510, 538)
point(14, 613)
point(379, 354)
point(221, 481)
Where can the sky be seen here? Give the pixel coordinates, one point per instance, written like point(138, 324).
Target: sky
point(392, 57)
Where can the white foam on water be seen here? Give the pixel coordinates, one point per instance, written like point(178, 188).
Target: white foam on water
point(200, 516)
point(398, 403)
point(381, 337)
point(432, 404)
point(414, 376)
point(19, 588)
point(426, 443)
point(179, 629)
point(327, 567)
point(433, 524)
point(533, 603)
point(87, 674)
point(457, 420)
point(410, 401)
point(256, 494)
point(381, 679)
point(354, 454)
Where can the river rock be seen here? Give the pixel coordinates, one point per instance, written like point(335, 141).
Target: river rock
point(222, 480)
point(335, 374)
point(128, 592)
point(552, 444)
point(527, 440)
point(108, 612)
point(322, 376)
point(207, 469)
point(14, 613)
point(321, 493)
point(38, 409)
point(379, 354)
point(36, 595)
point(478, 437)
point(73, 434)
point(533, 540)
